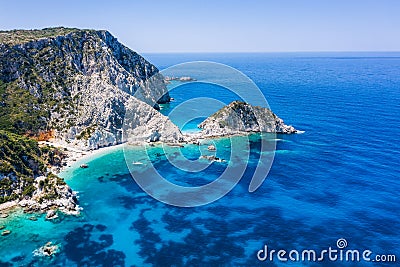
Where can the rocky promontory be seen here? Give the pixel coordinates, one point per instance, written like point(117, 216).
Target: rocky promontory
point(51, 194)
point(26, 177)
point(240, 117)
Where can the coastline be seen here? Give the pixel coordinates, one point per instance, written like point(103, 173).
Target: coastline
point(74, 157)
point(8, 205)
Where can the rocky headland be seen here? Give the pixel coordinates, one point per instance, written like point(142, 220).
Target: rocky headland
point(240, 117)
point(27, 180)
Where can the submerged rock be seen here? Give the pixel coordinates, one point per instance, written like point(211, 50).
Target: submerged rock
point(175, 145)
point(211, 148)
point(212, 158)
point(47, 250)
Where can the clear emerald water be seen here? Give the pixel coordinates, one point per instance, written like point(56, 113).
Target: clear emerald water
point(340, 179)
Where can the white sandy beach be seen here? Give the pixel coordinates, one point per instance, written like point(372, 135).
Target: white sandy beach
point(8, 205)
point(76, 155)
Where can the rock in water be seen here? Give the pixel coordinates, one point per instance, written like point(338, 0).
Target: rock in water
point(84, 166)
point(239, 117)
point(47, 250)
point(5, 232)
point(51, 214)
point(211, 148)
point(212, 158)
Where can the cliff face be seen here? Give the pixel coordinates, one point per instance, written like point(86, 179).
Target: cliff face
point(77, 86)
point(23, 173)
point(74, 84)
point(238, 117)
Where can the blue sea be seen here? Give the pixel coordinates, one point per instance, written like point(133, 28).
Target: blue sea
point(337, 180)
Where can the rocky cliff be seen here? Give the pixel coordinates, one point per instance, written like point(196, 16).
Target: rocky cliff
point(77, 87)
point(24, 175)
point(239, 117)
point(74, 85)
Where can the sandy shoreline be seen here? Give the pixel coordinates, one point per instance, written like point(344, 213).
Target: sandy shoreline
point(8, 205)
point(75, 155)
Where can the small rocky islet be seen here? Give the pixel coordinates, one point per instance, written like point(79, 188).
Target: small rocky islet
point(48, 250)
point(5, 232)
point(240, 117)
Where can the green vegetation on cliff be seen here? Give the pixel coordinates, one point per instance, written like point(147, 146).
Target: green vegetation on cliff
point(68, 84)
point(21, 160)
point(20, 112)
point(23, 36)
point(60, 78)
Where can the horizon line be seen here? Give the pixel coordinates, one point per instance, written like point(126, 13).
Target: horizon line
point(265, 52)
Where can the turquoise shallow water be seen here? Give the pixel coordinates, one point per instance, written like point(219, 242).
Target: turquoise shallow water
point(337, 180)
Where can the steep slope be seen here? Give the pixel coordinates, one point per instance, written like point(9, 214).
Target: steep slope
point(238, 117)
point(73, 85)
point(24, 174)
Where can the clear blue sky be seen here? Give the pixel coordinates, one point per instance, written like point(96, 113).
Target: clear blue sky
point(222, 25)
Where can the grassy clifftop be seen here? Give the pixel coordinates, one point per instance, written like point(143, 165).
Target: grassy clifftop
point(23, 36)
